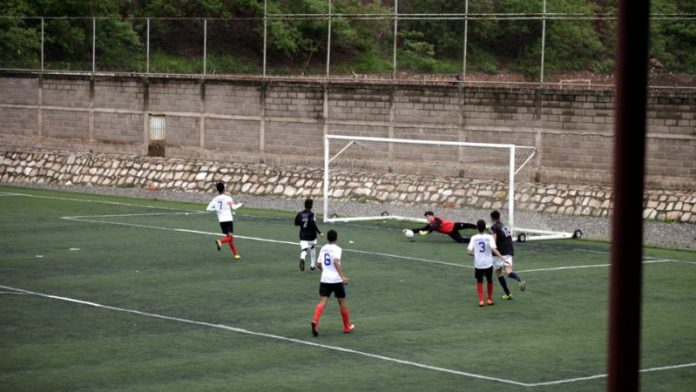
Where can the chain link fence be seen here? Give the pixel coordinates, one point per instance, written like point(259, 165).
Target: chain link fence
point(548, 48)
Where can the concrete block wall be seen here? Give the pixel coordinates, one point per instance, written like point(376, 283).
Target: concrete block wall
point(124, 128)
point(283, 122)
point(120, 94)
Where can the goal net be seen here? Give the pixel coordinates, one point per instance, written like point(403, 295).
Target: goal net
point(372, 178)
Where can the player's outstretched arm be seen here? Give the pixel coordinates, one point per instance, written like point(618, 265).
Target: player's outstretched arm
point(419, 229)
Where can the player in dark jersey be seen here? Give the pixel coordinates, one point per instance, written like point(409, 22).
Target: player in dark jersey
point(436, 223)
point(308, 234)
point(503, 267)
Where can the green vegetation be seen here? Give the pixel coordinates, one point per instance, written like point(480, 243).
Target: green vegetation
point(235, 36)
point(405, 306)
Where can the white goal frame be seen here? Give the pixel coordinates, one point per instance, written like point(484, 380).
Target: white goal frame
point(519, 234)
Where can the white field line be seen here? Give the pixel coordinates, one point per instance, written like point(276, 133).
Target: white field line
point(596, 376)
point(647, 260)
point(572, 267)
point(84, 219)
point(644, 257)
point(333, 348)
point(91, 201)
point(77, 217)
point(270, 336)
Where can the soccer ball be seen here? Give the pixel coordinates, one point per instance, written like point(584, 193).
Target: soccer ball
point(408, 233)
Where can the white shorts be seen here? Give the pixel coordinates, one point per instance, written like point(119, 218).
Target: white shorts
point(498, 263)
point(308, 244)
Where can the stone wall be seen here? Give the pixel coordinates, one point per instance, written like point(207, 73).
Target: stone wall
point(42, 167)
point(283, 122)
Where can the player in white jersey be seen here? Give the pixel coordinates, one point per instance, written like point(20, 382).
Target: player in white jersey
point(223, 205)
point(482, 247)
point(332, 281)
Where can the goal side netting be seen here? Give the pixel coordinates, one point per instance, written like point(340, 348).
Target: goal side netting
point(372, 178)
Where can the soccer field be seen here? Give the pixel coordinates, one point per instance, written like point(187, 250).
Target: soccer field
point(105, 293)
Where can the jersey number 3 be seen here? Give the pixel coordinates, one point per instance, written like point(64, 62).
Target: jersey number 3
point(482, 246)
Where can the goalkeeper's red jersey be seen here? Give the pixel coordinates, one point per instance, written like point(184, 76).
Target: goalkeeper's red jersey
point(445, 226)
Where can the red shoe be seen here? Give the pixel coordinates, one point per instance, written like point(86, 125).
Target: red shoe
point(349, 328)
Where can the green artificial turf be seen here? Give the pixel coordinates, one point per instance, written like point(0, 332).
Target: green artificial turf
point(162, 309)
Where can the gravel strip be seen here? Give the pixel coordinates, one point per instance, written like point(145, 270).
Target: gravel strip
point(670, 235)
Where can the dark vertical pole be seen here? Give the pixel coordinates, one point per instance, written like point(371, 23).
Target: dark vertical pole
point(629, 170)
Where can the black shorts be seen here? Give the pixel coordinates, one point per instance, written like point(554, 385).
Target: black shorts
point(227, 227)
point(480, 273)
point(325, 289)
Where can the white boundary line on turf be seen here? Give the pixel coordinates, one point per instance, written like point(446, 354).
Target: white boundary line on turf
point(330, 347)
point(645, 261)
point(596, 376)
point(84, 219)
point(270, 336)
point(376, 356)
point(644, 257)
point(90, 201)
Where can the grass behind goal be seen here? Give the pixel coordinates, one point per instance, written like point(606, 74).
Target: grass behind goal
point(208, 323)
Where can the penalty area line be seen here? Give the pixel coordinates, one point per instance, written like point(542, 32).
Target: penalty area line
point(270, 336)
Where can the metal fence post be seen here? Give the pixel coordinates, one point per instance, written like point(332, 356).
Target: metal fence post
point(543, 44)
point(42, 44)
point(396, 30)
point(94, 43)
point(328, 45)
point(147, 48)
point(265, 33)
point(205, 45)
point(466, 32)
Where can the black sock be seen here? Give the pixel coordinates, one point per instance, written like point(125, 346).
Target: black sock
point(516, 276)
point(503, 283)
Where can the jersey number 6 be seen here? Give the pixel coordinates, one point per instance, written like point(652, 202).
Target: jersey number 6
point(327, 259)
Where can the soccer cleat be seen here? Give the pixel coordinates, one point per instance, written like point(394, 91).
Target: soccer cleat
point(523, 285)
point(481, 304)
point(218, 244)
point(490, 302)
point(312, 268)
point(349, 329)
point(507, 296)
point(301, 264)
point(315, 329)
point(237, 256)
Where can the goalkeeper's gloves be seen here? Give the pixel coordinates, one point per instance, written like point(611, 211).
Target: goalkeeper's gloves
point(424, 232)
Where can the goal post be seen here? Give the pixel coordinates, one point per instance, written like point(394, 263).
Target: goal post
point(377, 153)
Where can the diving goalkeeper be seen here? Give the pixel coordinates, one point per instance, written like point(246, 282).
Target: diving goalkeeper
point(436, 223)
